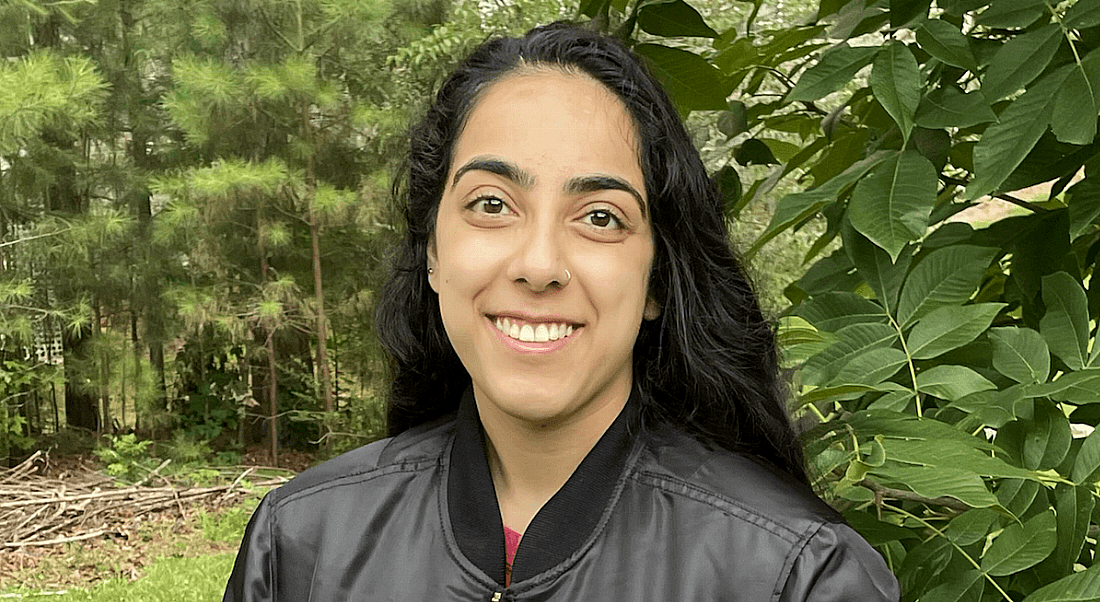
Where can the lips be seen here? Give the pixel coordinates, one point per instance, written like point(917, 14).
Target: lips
point(532, 332)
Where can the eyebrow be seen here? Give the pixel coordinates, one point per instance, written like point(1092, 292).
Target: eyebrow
point(525, 179)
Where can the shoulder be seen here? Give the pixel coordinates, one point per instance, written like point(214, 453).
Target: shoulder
point(734, 482)
point(414, 450)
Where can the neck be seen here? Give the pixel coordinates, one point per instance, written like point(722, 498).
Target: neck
point(530, 462)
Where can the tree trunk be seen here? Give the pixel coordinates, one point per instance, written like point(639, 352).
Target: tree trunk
point(272, 377)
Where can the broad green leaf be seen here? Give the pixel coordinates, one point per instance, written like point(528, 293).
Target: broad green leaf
point(947, 276)
point(1020, 61)
point(1078, 587)
point(971, 526)
point(896, 83)
point(944, 41)
point(1065, 325)
point(1005, 144)
point(1078, 102)
point(1084, 205)
point(1047, 441)
point(1083, 14)
point(832, 311)
point(827, 393)
point(1078, 388)
point(949, 328)
point(922, 565)
point(890, 206)
point(949, 107)
point(877, 532)
point(899, 425)
point(950, 453)
point(877, 269)
point(943, 481)
point(872, 367)
point(903, 12)
point(1011, 13)
point(965, 586)
point(1021, 546)
point(833, 71)
point(673, 19)
point(754, 152)
point(1020, 354)
point(693, 83)
point(952, 382)
point(853, 341)
point(798, 206)
point(1073, 506)
point(1018, 495)
point(1086, 467)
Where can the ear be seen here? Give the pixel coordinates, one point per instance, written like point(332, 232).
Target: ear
point(652, 309)
point(433, 275)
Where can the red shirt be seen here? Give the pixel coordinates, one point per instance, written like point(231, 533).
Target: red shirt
point(511, 544)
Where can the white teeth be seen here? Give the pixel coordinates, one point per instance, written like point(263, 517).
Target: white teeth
point(540, 333)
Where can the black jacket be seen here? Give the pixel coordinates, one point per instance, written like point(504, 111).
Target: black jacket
point(646, 516)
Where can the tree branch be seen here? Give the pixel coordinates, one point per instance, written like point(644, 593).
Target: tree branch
point(901, 494)
point(1004, 197)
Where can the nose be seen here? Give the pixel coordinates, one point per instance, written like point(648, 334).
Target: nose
point(539, 261)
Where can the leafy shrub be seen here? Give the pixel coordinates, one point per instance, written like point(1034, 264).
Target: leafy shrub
point(126, 458)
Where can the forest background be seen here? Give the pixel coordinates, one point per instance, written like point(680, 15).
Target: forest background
point(195, 212)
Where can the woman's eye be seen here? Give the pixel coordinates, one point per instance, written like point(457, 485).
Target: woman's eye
point(490, 204)
point(603, 219)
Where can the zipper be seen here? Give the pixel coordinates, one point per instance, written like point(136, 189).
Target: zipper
point(497, 596)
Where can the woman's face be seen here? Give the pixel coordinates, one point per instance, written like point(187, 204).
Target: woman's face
point(545, 180)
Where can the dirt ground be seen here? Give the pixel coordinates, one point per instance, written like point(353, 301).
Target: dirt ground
point(177, 531)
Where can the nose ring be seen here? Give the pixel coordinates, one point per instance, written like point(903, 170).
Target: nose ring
point(568, 276)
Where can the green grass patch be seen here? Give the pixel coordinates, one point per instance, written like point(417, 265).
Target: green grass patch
point(167, 580)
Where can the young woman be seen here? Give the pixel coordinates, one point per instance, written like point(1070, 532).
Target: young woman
point(585, 401)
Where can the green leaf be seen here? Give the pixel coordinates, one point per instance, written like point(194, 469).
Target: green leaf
point(1081, 387)
point(903, 12)
point(896, 83)
point(952, 382)
point(1020, 354)
point(877, 532)
point(1073, 506)
point(965, 586)
point(835, 310)
point(1020, 61)
point(1004, 145)
point(1065, 325)
point(950, 107)
point(1086, 467)
point(1078, 587)
point(877, 269)
point(947, 276)
point(829, 393)
point(795, 207)
point(853, 341)
point(1047, 440)
point(833, 71)
point(1011, 13)
point(754, 152)
point(949, 328)
point(891, 205)
point(1082, 15)
point(944, 481)
point(872, 367)
point(1078, 102)
point(673, 19)
point(899, 425)
point(947, 43)
point(939, 454)
point(1021, 546)
point(971, 526)
point(1084, 205)
point(693, 83)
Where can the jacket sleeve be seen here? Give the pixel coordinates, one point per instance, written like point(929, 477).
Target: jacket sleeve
point(253, 577)
point(837, 564)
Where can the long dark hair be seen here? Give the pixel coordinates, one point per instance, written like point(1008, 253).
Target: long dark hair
point(707, 363)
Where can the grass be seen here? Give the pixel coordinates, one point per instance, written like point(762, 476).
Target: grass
point(176, 560)
point(199, 579)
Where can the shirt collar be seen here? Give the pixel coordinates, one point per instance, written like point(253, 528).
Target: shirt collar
point(563, 524)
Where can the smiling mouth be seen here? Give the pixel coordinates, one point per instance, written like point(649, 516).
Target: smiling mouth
point(542, 332)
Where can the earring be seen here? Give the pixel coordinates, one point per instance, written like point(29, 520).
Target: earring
point(431, 271)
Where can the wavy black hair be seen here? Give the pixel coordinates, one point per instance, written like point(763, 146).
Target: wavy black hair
point(707, 363)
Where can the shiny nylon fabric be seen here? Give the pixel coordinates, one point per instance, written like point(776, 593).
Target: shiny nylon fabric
point(680, 522)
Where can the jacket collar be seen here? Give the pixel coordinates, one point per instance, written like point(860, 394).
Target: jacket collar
point(563, 524)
